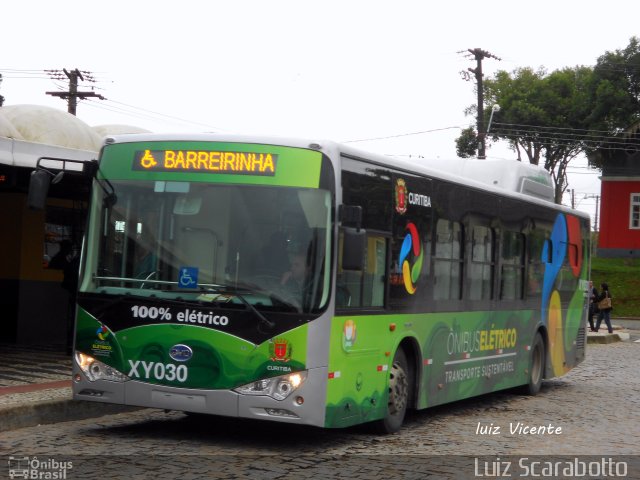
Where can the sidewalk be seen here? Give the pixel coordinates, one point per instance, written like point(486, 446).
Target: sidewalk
point(35, 384)
point(620, 333)
point(35, 388)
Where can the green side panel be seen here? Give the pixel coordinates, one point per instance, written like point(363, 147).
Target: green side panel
point(460, 355)
point(358, 369)
point(219, 361)
point(295, 166)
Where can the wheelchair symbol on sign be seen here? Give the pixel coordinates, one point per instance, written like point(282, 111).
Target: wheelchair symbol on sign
point(188, 277)
point(147, 161)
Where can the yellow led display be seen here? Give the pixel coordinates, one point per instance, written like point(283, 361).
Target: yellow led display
point(206, 161)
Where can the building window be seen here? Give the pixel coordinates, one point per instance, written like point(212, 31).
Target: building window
point(634, 217)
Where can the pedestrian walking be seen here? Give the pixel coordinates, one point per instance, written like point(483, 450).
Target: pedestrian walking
point(605, 307)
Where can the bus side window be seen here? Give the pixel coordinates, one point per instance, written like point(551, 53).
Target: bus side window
point(536, 263)
point(481, 270)
point(512, 266)
point(448, 260)
point(363, 288)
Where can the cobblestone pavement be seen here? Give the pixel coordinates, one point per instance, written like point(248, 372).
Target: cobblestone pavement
point(30, 365)
point(596, 406)
point(22, 365)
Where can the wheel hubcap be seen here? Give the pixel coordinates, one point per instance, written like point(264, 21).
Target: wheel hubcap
point(398, 390)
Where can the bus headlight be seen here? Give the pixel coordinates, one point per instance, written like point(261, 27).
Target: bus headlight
point(96, 370)
point(275, 387)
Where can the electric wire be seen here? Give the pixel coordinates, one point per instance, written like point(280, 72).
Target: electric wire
point(401, 135)
point(142, 114)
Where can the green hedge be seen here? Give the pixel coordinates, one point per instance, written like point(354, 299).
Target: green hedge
point(623, 277)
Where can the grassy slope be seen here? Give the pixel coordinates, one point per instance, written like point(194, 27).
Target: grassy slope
point(623, 277)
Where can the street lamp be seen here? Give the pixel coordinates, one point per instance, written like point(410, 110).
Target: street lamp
point(495, 108)
point(482, 134)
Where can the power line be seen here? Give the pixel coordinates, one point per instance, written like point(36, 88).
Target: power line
point(541, 133)
point(554, 128)
point(72, 95)
point(156, 115)
point(401, 135)
point(172, 117)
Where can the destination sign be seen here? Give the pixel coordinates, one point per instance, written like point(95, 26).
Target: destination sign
point(206, 161)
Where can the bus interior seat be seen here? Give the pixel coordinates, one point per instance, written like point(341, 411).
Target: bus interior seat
point(343, 296)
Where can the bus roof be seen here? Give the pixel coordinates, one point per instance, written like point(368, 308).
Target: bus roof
point(20, 153)
point(503, 177)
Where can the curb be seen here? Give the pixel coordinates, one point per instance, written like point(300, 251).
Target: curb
point(607, 338)
point(54, 411)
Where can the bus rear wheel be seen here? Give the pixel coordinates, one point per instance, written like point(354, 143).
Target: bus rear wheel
point(398, 398)
point(536, 366)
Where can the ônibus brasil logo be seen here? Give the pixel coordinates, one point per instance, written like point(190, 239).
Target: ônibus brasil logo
point(411, 247)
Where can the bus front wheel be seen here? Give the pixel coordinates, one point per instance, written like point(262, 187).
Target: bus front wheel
point(398, 398)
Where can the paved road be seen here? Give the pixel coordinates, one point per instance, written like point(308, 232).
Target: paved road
point(593, 410)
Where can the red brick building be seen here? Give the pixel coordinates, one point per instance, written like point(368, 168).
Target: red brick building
point(620, 199)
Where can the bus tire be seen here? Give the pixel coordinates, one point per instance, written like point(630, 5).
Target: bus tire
point(399, 395)
point(537, 360)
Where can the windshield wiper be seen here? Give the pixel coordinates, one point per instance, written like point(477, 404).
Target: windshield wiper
point(225, 289)
point(273, 296)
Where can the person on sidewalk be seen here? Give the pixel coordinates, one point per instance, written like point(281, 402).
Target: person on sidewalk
point(593, 304)
point(68, 260)
point(605, 312)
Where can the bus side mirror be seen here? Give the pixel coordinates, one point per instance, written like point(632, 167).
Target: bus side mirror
point(38, 189)
point(350, 215)
point(353, 247)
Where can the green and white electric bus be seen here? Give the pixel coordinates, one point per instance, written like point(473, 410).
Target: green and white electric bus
point(314, 283)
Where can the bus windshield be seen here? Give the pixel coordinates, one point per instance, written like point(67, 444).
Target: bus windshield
point(265, 246)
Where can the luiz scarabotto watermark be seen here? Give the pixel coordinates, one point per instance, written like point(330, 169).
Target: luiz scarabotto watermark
point(38, 467)
point(389, 466)
point(539, 467)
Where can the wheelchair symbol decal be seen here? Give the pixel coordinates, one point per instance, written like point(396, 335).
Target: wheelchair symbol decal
point(188, 277)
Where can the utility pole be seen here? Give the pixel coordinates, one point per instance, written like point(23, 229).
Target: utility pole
point(73, 94)
point(479, 55)
point(573, 198)
point(595, 223)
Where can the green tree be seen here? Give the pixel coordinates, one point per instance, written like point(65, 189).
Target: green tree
point(539, 113)
point(467, 143)
point(552, 117)
point(615, 93)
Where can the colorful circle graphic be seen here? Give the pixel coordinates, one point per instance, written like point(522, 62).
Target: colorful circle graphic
point(102, 332)
point(411, 245)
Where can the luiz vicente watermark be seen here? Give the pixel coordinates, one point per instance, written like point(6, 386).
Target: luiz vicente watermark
point(38, 467)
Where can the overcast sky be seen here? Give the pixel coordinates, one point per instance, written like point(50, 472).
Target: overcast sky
point(340, 69)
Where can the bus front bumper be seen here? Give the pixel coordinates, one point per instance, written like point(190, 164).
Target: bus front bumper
point(306, 405)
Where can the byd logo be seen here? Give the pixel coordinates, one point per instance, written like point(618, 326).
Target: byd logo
point(410, 259)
